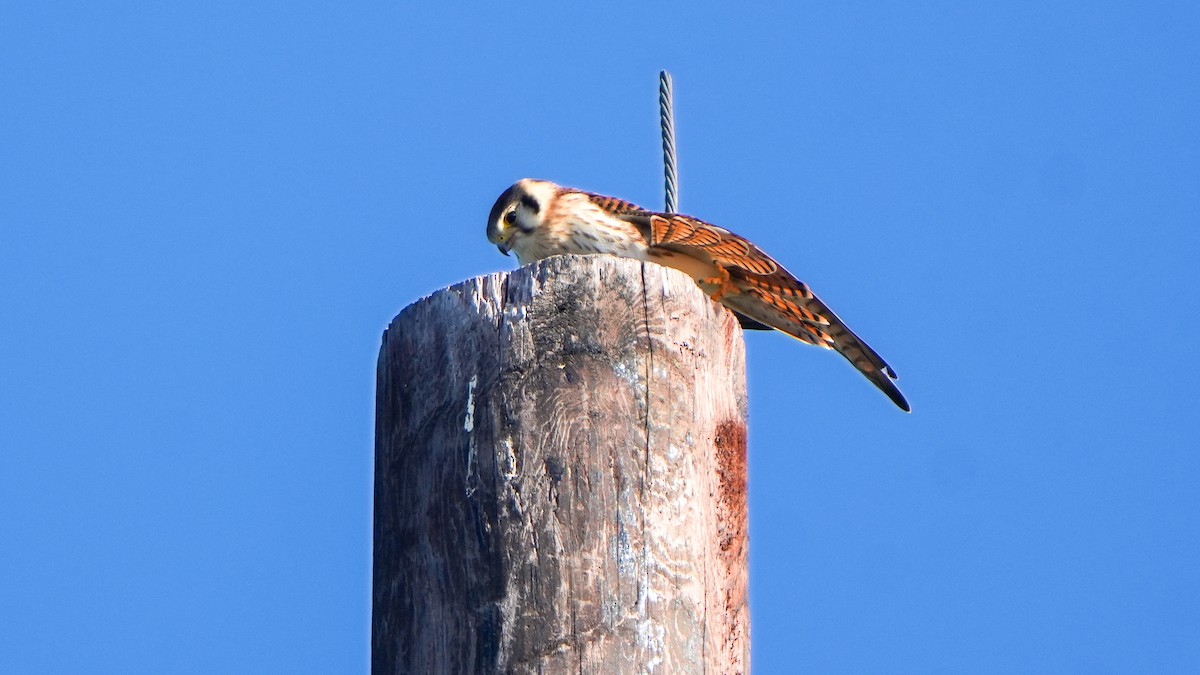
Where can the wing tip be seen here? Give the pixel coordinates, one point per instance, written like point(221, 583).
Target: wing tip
point(894, 393)
point(882, 379)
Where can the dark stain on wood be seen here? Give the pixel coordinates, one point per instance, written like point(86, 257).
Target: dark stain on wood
point(730, 441)
point(732, 520)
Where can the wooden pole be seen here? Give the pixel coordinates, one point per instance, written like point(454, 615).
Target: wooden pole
point(560, 476)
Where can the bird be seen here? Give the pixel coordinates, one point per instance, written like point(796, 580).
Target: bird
point(536, 219)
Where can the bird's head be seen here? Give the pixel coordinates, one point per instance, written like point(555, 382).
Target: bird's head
point(518, 213)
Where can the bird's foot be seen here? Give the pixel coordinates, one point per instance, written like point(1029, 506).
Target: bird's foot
point(723, 282)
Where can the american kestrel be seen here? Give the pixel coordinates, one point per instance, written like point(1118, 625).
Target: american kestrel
point(537, 219)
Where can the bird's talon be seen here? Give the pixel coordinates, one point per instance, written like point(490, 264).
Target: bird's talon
point(724, 284)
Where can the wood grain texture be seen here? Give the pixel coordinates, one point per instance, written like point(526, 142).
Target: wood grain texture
point(560, 476)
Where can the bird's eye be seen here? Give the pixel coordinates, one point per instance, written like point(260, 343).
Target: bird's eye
point(510, 217)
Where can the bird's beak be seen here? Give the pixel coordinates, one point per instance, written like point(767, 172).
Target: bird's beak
point(500, 236)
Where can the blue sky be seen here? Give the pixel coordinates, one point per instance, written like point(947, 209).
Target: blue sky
point(210, 211)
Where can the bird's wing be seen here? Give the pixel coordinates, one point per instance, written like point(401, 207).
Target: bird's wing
point(768, 293)
point(635, 214)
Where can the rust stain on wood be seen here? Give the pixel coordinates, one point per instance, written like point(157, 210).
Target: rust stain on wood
point(730, 445)
point(730, 442)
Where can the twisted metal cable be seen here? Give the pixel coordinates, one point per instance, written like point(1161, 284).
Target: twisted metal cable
point(666, 116)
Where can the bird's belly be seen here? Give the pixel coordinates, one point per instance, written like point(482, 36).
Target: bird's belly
point(693, 267)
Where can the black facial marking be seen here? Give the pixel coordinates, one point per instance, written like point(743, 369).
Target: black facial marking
point(498, 208)
point(530, 203)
